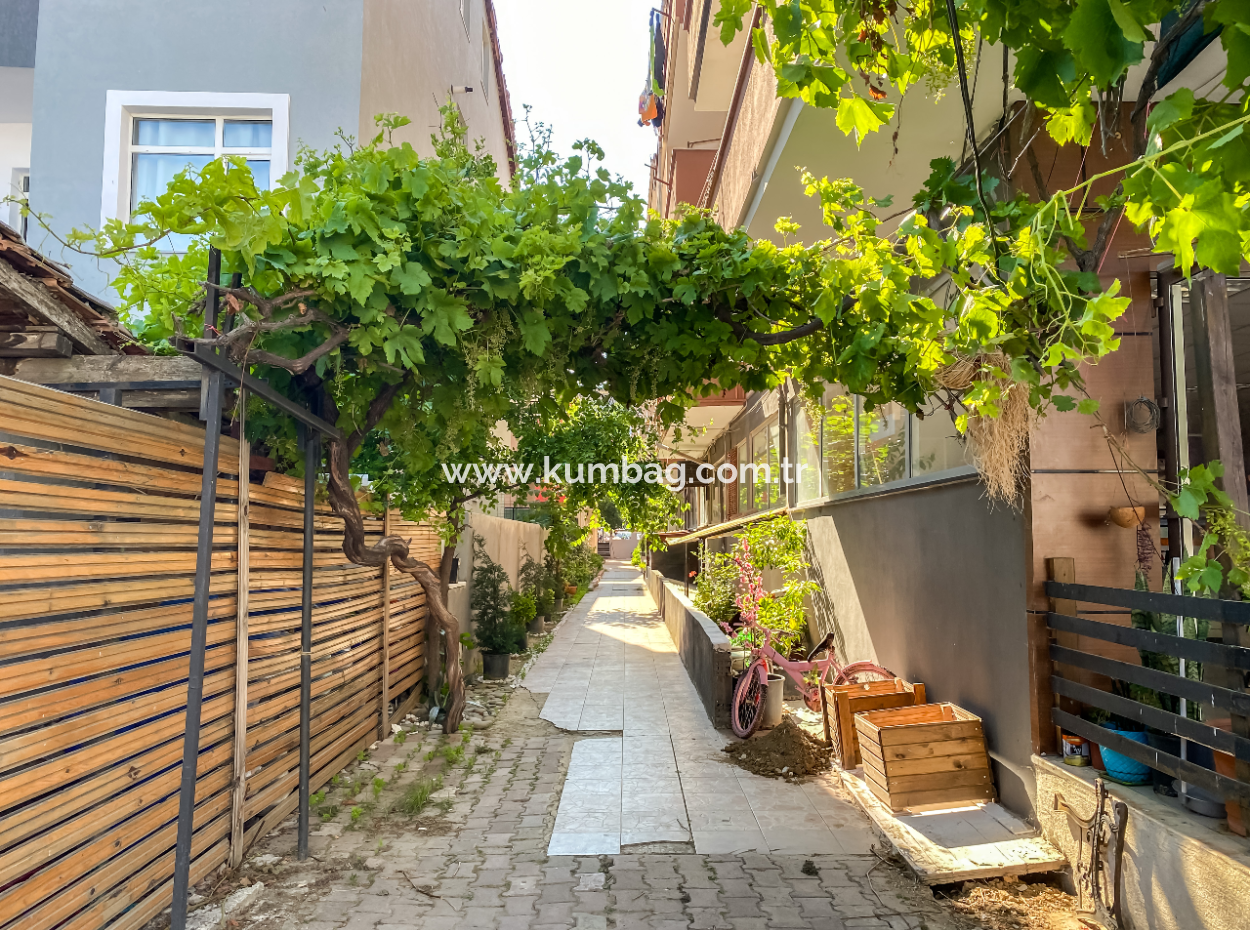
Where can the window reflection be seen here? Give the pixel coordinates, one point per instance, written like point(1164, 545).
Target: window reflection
point(838, 442)
point(882, 444)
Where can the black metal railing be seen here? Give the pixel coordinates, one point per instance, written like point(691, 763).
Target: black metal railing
point(1235, 703)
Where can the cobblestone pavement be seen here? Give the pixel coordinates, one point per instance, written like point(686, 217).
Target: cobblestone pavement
point(474, 854)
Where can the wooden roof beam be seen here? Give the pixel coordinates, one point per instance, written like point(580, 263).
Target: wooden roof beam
point(37, 301)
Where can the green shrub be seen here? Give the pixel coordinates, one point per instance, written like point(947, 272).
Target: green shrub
point(524, 608)
point(495, 629)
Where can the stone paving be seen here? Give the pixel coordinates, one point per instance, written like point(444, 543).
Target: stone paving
point(613, 666)
point(484, 859)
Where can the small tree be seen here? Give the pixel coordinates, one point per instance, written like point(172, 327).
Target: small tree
point(494, 628)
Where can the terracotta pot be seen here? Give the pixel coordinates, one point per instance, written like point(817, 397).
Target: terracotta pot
point(570, 589)
point(1226, 765)
point(1127, 517)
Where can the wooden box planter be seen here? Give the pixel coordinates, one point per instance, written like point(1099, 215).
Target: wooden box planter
point(843, 702)
point(928, 756)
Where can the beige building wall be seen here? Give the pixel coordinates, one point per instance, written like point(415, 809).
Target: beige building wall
point(754, 133)
point(456, 51)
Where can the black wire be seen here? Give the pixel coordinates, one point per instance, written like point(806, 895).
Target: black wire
point(972, 133)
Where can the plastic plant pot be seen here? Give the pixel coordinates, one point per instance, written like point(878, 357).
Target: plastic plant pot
point(773, 702)
point(494, 665)
point(1120, 767)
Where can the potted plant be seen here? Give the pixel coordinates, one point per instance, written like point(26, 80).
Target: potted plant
point(525, 612)
point(546, 605)
point(495, 629)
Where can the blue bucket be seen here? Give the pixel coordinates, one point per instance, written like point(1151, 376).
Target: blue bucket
point(1120, 767)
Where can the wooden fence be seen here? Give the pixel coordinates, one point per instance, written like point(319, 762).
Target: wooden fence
point(1093, 659)
point(98, 521)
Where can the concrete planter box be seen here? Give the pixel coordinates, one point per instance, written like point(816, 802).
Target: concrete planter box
point(703, 646)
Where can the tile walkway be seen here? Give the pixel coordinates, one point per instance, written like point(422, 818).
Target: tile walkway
point(612, 666)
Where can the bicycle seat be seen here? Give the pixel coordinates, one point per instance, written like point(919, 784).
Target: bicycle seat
point(826, 643)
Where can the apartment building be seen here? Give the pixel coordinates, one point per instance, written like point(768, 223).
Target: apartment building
point(918, 570)
point(103, 101)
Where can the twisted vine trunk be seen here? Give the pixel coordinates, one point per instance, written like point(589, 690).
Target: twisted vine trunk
point(346, 507)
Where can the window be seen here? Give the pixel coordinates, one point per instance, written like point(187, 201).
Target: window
point(150, 136)
point(838, 442)
point(807, 453)
point(745, 491)
point(161, 147)
point(882, 444)
point(774, 464)
point(464, 14)
point(860, 448)
point(936, 445)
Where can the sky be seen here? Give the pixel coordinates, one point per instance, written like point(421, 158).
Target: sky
point(581, 65)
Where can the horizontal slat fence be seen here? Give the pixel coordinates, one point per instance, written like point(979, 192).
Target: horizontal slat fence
point(98, 516)
point(1217, 702)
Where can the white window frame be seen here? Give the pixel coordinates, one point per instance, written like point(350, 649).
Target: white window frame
point(122, 107)
point(466, 15)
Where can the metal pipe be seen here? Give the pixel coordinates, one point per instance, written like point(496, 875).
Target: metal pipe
point(311, 441)
point(199, 641)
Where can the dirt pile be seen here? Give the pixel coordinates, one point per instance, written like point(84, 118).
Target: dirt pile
point(787, 751)
point(1012, 904)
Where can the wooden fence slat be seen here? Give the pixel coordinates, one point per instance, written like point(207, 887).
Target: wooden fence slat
point(239, 782)
point(56, 463)
point(1203, 693)
point(1196, 649)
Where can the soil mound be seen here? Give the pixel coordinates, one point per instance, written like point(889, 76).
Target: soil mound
point(786, 751)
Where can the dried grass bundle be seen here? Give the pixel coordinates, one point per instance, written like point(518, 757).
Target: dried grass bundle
point(999, 444)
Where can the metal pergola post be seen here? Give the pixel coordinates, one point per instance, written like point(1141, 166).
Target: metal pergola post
point(218, 370)
point(311, 442)
point(199, 641)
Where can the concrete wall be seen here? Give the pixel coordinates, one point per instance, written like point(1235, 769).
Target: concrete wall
point(1180, 872)
point(930, 583)
point(396, 80)
point(311, 51)
point(757, 127)
point(507, 541)
point(702, 645)
point(19, 25)
point(622, 548)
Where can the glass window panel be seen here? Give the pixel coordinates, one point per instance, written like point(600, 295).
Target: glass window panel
point(247, 134)
point(744, 481)
point(838, 442)
point(774, 465)
point(882, 445)
point(260, 173)
point(936, 445)
point(201, 133)
point(807, 454)
point(759, 455)
point(153, 171)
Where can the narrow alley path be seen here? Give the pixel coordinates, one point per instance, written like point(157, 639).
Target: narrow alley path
point(596, 800)
point(612, 666)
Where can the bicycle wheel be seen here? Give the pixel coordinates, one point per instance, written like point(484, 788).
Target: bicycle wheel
point(858, 672)
point(748, 703)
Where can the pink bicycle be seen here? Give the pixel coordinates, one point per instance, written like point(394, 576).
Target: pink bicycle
point(748, 700)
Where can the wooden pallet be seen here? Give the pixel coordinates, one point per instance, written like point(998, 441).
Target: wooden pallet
point(926, 757)
point(843, 702)
point(981, 841)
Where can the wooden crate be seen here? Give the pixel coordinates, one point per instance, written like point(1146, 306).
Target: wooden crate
point(928, 756)
point(843, 702)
